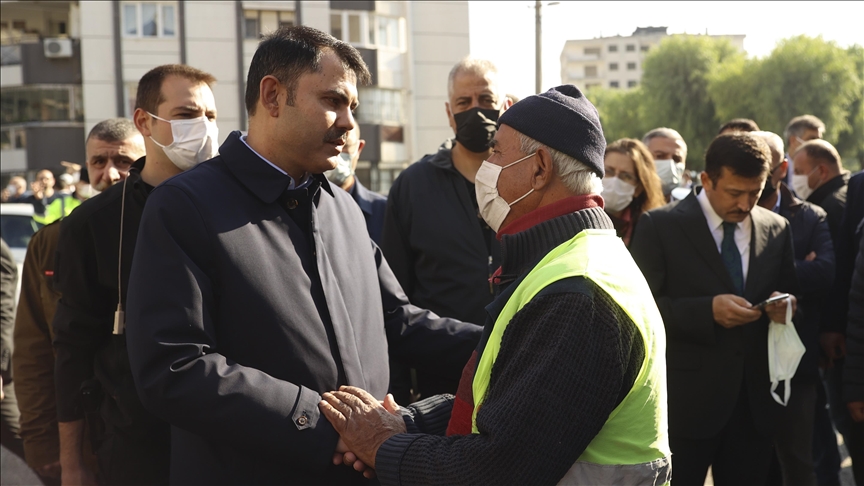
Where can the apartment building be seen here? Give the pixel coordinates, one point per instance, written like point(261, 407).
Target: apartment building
point(66, 65)
point(615, 62)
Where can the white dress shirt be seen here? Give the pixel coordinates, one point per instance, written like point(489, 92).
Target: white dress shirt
point(715, 225)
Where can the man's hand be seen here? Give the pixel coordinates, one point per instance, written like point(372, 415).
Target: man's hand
point(834, 347)
point(731, 310)
point(777, 310)
point(344, 456)
point(810, 256)
point(361, 420)
point(856, 410)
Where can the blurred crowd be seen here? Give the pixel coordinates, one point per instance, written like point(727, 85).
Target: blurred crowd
point(529, 304)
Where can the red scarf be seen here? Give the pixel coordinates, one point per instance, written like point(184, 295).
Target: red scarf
point(463, 404)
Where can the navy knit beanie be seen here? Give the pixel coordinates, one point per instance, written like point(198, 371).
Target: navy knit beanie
point(562, 119)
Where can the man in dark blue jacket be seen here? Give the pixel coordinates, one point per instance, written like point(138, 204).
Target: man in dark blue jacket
point(814, 265)
point(255, 286)
point(371, 203)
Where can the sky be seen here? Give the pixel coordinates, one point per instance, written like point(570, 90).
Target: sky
point(503, 31)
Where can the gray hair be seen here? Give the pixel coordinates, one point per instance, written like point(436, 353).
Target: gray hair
point(666, 133)
point(576, 176)
point(798, 125)
point(479, 67)
point(775, 143)
point(114, 130)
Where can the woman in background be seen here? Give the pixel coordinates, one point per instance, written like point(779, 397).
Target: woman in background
point(631, 185)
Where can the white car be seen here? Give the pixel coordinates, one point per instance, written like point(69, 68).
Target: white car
point(17, 227)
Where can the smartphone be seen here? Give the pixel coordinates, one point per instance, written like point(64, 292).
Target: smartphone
point(771, 300)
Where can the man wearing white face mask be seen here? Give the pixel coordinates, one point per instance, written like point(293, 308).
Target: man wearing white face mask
point(670, 153)
point(175, 112)
point(371, 203)
point(573, 320)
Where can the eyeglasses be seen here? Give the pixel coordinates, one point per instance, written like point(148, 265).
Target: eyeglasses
point(624, 176)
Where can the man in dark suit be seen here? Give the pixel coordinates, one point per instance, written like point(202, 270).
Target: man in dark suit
point(254, 286)
point(707, 258)
point(371, 203)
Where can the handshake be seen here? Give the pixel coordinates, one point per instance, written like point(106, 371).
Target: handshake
point(363, 423)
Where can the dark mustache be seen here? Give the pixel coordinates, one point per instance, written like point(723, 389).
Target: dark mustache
point(336, 135)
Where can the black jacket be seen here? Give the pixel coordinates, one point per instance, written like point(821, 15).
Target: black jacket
point(853, 373)
point(8, 285)
point(86, 275)
point(845, 248)
point(809, 234)
point(246, 302)
point(373, 206)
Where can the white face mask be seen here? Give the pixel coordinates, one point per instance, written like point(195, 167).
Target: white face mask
point(493, 208)
point(86, 191)
point(617, 194)
point(342, 171)
point(801, 184)
point(670, 174)
point(785, 351)
point(194, 141)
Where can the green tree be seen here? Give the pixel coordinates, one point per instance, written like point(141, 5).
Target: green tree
point(802, 75)
point(675, 83)
point(850, 143)
point(620, 112)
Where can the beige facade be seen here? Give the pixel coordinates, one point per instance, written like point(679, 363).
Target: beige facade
point(615, 62)
point(409, 46)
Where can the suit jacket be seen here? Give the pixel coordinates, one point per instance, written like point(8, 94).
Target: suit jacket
point(373, 206)
point(248, 300)
point(708, 365)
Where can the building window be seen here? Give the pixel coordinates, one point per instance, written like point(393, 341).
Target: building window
point(613, 48)
point(149, 19)
point(381, 106)
point(632, 84)
point(613, 66)
point(13, 138)
point(287, 19)
point(257, 23)
point(631, 66)
point(631, 48)
point(41, 103)
point(366, 29)
point(644, 48)
point(592, 85)
point(613, 84)
point(590, 71)
point(251, 29)
point(592, 51)
point(392, 134)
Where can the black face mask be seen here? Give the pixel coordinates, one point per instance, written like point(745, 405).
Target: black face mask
point(768, 190)
point(475, 128)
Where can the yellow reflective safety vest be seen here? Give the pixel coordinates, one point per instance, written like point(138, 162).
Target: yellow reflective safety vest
point(633, 445)
point(58, 209)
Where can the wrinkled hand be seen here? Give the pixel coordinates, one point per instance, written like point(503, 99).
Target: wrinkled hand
point(344, 456)
point(777, 311)
point(833, 346)
point(856, 410)
point(731, 310)
point(363, 422)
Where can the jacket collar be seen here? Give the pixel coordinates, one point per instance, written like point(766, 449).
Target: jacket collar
point(262, 180)
point(822, 192)
point(443, 158)
point(362, 196)
point(789, 204)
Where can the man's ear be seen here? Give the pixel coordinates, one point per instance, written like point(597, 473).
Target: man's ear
point(268, 94)
point(783, 169)
point(506, 104)
point(450, 119)
point(706, 181)
point(360, 144)
point(142, 121)
point(544, 169)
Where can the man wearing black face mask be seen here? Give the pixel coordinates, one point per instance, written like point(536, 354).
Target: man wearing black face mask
point(814, 265)
point(440, 249)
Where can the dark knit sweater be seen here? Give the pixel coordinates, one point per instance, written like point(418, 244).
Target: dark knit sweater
point(567, 359)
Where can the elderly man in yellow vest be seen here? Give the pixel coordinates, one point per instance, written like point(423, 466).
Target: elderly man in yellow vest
point(568, 383)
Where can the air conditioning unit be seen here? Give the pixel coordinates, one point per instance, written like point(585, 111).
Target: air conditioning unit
point(57, 47)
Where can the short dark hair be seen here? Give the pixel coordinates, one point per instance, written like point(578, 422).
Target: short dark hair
point(745, 155)
point(149, 95)
point(291, 52)
point(820, 151)
point(799, 124)
point(113, 130)
point(740, 125)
